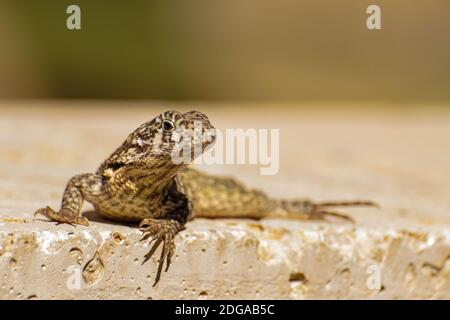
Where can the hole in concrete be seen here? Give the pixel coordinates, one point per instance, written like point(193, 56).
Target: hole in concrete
point(32, 297)
point(430, 269)
point(203, 293)
point(225, 262)
point(149, 298)
point(382, 288)
point(76, 254)
point(297, 276)
point(346, 274)
point(345, 271)
point(94, 270)
point(410, 274)
point(118, 237)
point(13, 264)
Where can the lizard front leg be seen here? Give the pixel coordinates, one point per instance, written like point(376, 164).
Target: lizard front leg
point(161, 231)
point(79, 188)
point(176, 211)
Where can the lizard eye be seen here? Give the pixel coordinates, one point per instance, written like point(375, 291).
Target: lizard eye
point(167, 126)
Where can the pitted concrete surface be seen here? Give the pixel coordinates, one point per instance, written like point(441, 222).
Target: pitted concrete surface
point(398, 158)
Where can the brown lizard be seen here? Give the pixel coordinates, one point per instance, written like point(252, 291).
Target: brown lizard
point(140, 182)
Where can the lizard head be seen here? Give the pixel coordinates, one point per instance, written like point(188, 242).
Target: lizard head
point(161, 146)
point(175, 136)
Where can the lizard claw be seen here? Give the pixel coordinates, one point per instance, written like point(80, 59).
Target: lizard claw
point(334, 214)
point(161, 231)
point(320, 209)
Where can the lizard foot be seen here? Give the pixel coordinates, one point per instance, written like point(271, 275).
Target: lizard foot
point(62, 217)
point(161, 231)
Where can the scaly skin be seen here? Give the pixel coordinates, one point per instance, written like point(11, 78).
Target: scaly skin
point(140, 182)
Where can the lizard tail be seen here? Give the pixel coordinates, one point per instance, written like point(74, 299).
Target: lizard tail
point(306, 209)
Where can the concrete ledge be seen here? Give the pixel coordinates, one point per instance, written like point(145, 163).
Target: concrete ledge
point(394, 158)
point(225, 259)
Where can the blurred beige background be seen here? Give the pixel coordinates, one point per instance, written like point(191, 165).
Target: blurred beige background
point(227, 50)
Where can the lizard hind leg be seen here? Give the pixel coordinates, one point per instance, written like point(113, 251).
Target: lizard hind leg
point(306, 209)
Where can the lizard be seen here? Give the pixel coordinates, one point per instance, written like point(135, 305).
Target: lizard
point(141, 183)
